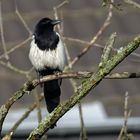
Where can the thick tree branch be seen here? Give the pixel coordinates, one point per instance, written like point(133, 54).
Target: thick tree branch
point(84, 89)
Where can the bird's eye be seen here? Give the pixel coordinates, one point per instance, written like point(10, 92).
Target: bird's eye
point(44, 22)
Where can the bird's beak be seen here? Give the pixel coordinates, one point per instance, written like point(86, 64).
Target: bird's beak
point(54, 22)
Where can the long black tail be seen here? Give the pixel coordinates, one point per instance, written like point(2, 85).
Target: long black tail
point(52, 94)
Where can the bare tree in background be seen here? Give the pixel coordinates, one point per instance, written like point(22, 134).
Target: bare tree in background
point(110, 58)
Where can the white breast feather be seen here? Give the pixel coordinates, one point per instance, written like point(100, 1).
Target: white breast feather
point(50, 58)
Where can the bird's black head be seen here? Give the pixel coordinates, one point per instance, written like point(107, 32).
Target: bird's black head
point(46, 24)
point(45, 36)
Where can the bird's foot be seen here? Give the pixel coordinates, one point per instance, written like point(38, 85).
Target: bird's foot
point(57, 72)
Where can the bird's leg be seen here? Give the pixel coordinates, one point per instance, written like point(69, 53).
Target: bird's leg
point(57, 72)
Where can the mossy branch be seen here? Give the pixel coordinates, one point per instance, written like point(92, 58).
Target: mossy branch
point(84, 89)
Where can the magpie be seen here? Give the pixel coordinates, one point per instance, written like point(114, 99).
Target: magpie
point(47, 55)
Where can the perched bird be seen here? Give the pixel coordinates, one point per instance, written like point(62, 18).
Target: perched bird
point(47, 55)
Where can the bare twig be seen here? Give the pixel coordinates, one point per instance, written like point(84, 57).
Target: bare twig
point(56, 13)
point(123, 75)
point(107, 50)
point(39, 115)
point(11, 67)
point(95, 44)
point(76, 40)
point(124, 135)
point(86, 74)
point(73, 83)
point(133, 3)
point(83, 134)
point(22, 20)
point(2, 34)
point(99, 33)
point(16, 47)
point(61, 4)
point(126, 112)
